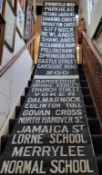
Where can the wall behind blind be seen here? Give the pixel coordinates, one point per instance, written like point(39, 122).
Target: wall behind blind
point(13, 82)
point(95, 16)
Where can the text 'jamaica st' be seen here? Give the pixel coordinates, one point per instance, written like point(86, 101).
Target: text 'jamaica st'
point(44, 129)
point(51, 129)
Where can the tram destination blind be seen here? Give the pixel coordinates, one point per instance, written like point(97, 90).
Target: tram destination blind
point(51, 134)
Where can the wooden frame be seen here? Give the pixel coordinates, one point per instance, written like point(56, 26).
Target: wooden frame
point(2, 7)
point(29, 25)
point(2, 31)
point(23, 4)
point(98, 30)
point(20, 20)
point(13, 4)
point(10, 29)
